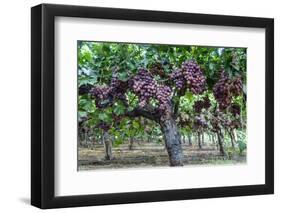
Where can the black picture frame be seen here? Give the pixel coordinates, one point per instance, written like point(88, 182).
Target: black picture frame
point(43, 102)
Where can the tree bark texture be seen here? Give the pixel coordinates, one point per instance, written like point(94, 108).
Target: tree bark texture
point(199, 140)
point(231, 138)
point(107, 146)
point(203, 140)
point(234, 135)
point(220, 143)
point(183, 138)
point(172, 139)
point(131, 143)
point(189, 140)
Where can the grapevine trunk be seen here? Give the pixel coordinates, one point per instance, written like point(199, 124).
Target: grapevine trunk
point(172, 140)
point(131, 142)
point(231, 139)
point(189, 140)
point(220, 143)
point(107, 146)
point(199, 140)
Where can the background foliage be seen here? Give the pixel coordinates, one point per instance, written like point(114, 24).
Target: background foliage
point(97, 60)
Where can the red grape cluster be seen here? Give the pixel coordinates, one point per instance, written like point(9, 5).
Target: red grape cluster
point(157, 69)
point(100, 93)
point(221, 91)
point(207, 102)
point(116, 90)
point(198, 106)
point(84, 89)
point(104, 126)
point(234, 109)
point(194, 77)
point(202, 104)
point(118, 86)
point(225, 89)
point(144, 85)
point(177, 78)
point(163, 95)
point(236, 86)
point(189, 76)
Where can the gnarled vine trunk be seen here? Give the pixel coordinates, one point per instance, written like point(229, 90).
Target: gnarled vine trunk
point(183, 139)
point(199, 140)
point(189, 140)
point(169, 130)
point(172, 139)
point(107, 146)
point(220, 143)
point(232, 140)
point(131, 143)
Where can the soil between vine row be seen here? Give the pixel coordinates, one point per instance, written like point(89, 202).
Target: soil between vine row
point(152, 155)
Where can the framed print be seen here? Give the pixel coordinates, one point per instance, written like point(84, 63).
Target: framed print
point(139, 106)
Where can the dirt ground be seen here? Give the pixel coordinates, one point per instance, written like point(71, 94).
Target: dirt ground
point(150, 155)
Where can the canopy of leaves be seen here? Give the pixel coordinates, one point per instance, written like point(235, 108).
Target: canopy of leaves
point(97, 60)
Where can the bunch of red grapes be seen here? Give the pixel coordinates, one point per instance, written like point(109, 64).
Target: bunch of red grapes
point(221, 91)
point(116, 90)
point(84, 89)
point(236, 86)
point(189, 76)
point(100, 93)
point(157, 69)
point(117, 86)
point(104, 126)
point(144, 85)
point(178, 79)
point(202, 104)
point(163, 95)
point(225, 89)
point(194, 77)
point(234, 109)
